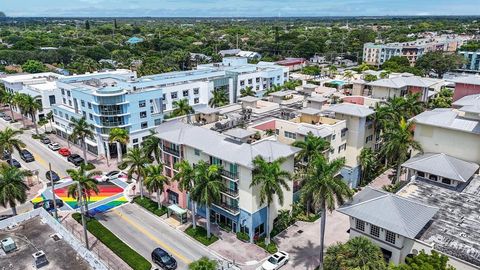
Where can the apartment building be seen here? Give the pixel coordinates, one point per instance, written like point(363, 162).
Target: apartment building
point(465, 86)
point(377, 54)
point(472, 61)
point(41, 86)
point(239, 207)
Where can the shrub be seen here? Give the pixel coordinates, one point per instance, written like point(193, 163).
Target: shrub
point(270, 248)
point(89, 166)
point(126, 253)
point(36, 137)
point(243, 236)
point(200, 234)
point(150, 205)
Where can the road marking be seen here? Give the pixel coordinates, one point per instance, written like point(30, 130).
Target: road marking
point(40, 160)
point(152, 237)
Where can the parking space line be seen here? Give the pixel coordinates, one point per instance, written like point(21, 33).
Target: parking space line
point(152, 237)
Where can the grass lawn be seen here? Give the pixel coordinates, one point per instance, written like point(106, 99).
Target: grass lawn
point(200, 234)
point(127, 254)
point(150, 205)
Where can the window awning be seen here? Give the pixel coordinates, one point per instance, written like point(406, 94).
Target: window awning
point(175, 208)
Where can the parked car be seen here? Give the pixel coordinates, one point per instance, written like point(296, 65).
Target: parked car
point(7, 118)
point(2, 217)
point(26, 155)
point(64, 152)
point(54, 146)
point(54, 176)
point(2, 114)
point(111, 175)
point(45, 140)
point(163, 259)
point(75, 159)
point(13, 162)
point(5, 155)
point(276, 261)
point(48, 204)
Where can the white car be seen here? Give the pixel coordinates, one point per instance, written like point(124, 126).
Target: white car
point(275, 261)
point(54, 146)
point(111, 175)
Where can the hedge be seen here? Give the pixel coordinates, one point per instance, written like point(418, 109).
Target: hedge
point(126, 253)
point(270, 248)
point(150, 205)
point(200, 234)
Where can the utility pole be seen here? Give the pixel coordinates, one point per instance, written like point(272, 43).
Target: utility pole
point(80, 203)
point(53, 191)
point(237, 40)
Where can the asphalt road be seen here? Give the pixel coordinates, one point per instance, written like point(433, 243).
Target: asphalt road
point(144, 232)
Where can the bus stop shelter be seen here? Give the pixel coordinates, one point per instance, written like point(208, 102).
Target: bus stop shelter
point(178, 212)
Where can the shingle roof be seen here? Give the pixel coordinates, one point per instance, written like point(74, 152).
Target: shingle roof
point(391, 212)
point(443, 165)
point(218, 145)
point(351, 109)
point(448, 118)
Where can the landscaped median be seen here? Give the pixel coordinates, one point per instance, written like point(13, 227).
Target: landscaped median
point(200, 234)
point(126, 253)
point(150, 205)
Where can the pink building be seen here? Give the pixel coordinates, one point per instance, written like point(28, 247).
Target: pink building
point(466, 86)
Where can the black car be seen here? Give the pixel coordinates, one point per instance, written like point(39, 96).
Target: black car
point(13, 162)
point(163, 259)
point(45, 140)
point(75, 159)
point(7, 118)
point(26, 155)
point(2, 217)
point(5, 155)
point(54, 176)
point(48, 204)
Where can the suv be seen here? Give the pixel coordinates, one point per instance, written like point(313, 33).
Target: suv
point(54, 176)
point(45, 140)
point(26, 155)
point(13, 162)
point(75, 159)
point(54, 146)
point(163, 259)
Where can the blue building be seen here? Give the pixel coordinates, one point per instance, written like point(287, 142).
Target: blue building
point(472, 61)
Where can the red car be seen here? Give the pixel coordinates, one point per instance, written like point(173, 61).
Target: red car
point(64, 152)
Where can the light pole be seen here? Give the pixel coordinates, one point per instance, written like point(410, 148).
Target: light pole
point(53, 191)
point(80, 202)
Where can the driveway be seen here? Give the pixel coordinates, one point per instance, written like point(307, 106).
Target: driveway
point(302, 240)
point(144, 232)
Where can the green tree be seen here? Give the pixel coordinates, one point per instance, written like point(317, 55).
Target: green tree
point(439, 62)
point(423, 261)
point(152, 147)
point(203, 263)
point(248, 91)
point(155, 181)
point(398, 140)
point(181, 107)
point(348, 75)
point(444, 99)
point(356, 253)
point(87, 25)
point(9, 141)
point(49, 117)
point(31, 107)
point(8, 98)
point(120, 137)
point(368, 162)
point(396, 64)
point(33, 66)
point(271, 179)
point(13, 189)
point(208, 184)
point(136, 161)
point(370, 78)
point(312, 147)
point(219, 98)
point(88, 184)
point(81, 130)
point(18, 100)
point(185, 177)
point(326, 189)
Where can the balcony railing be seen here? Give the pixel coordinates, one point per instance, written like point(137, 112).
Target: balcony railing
point(228, 174)
point(171, 151)
point(229, 191)
point(230, 208)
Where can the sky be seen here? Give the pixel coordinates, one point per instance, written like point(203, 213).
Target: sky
point(235, 8)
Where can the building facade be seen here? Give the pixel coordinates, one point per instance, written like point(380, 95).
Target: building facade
point(472, 61)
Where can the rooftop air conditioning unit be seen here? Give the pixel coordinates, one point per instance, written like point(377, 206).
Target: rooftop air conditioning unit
point(8, 245)
point(40, 259)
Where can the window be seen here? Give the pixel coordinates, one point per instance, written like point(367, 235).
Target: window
point(55, 111)
point(151, 109)
point(144, 124)
point(63, 91)
point(342, 147)
point(51, 99)
point(257, 87)
point(82, 102)
point(421, 174)
point(260, 229)
point(369, 138)
point(90, 116)
point(446, 181)
point(432, 177)
point(164, 97)
point(89, 105)
point(64, 101)
point(242, 82)
point(173, 95)
point(344, 132)
point(196, 91)
point(143, 114)
point(390, 237)
point(250, 81)
point(290, 135)
point(60, 113)
point(360, 225)
point(135, 140)
point(157, 122)
point(197, 152)
point(164, 107)
point(70, 102)
point(84, 114)
point(196, 100)
point(185, 93)
point(257, 80)
point(68, 93)
point(141, 103)
point(375, 230)
point(333, 137)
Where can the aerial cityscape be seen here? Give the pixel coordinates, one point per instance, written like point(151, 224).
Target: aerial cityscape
point(256, 135)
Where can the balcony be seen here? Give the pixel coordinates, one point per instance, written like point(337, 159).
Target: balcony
point(228, 174)
point(171, 151)
point(230, 192)
point(229, 208)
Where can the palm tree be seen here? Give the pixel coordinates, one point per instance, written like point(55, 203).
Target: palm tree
point(398, 140)
point(155, 181)
point(413, 105)
point(31, 107)
point(248, 91)
point(206, 191)
point(7, 98)
point(120, 137)
point(136, 160)
point(311, 147)
point(49, 117)
point(219, 98)
point(271, 180)
point(12, 187)
point(181, 107)
point(18, 102)
point(151, 147)
point(326, 189)
point(368, 161)
point(81, 129)
point(186, 182)
point(332, 70)
point(9, 141)
point(274, 88)
point(348, 75)
point(88, 184)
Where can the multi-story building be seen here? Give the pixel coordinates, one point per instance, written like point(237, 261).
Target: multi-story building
point(41, 86)
point(472, 61)
point(465, 86)
point(239, 207)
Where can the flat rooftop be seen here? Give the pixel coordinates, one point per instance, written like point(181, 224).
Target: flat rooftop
point(455, 227)
point(39, 235)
